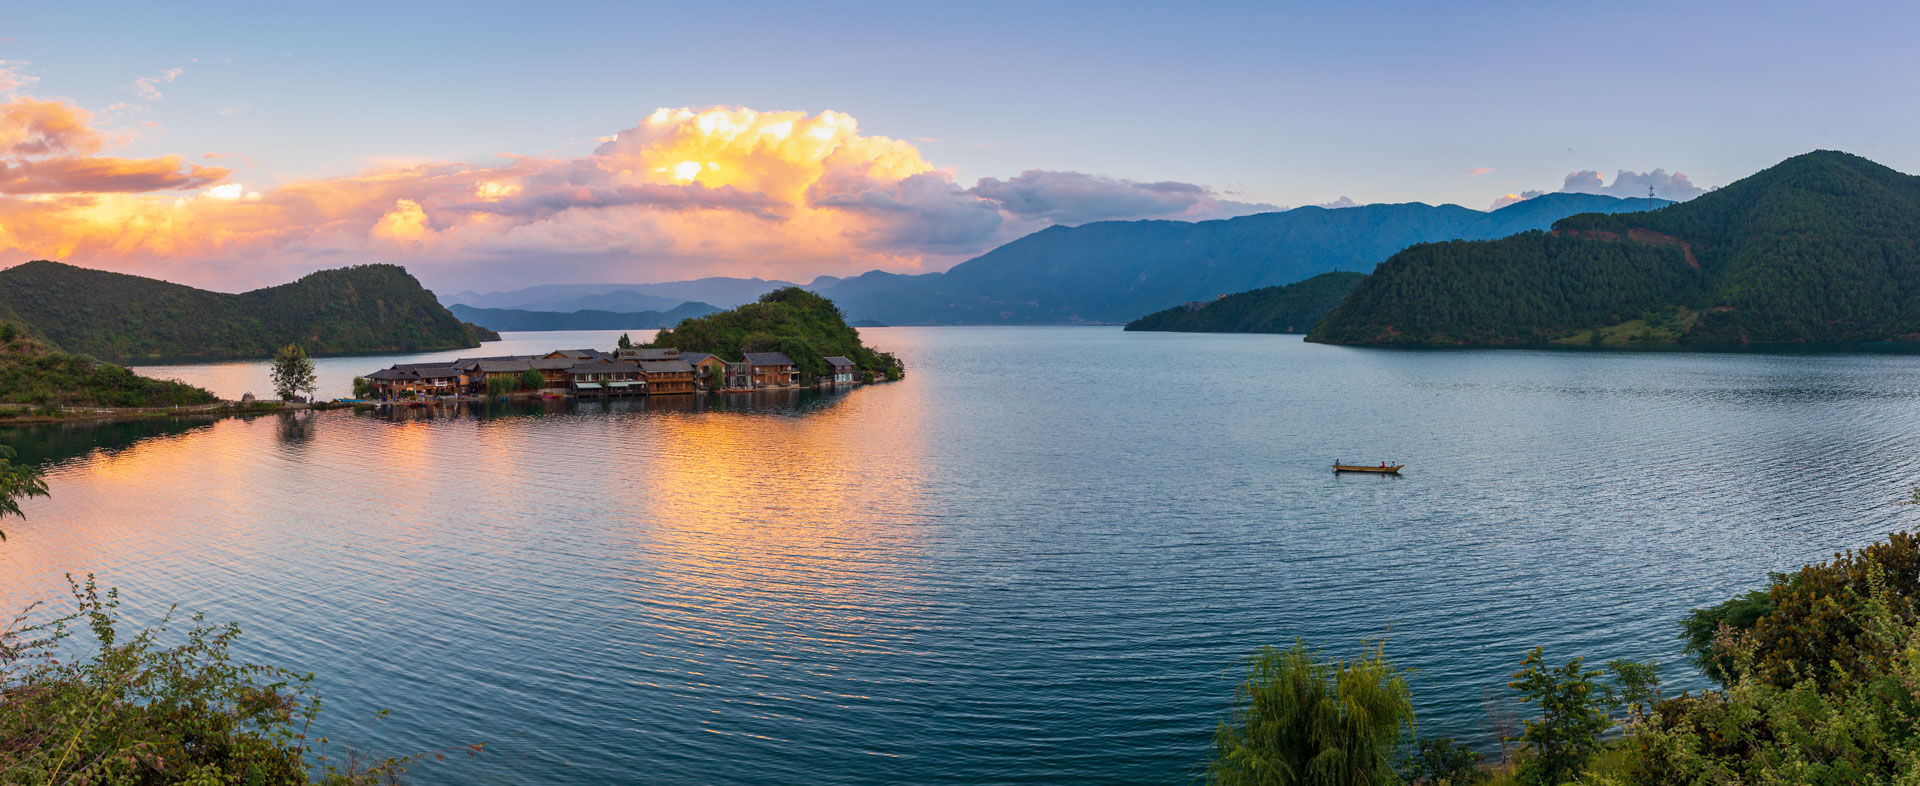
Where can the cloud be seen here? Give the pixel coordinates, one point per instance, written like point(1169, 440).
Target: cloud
point(1478, 171)
point(1339, 203)
point(13, 79)
point(1626, 185)
point(148, 87)
point(1077, 198)
point(50, 147)
point(686, 192)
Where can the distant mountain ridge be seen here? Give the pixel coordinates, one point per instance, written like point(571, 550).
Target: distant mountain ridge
point(1822, 247)
point(119, 317)
point(585, 319)
point(1115, 271)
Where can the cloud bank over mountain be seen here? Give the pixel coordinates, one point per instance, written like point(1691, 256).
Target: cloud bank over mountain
point(1626, 185)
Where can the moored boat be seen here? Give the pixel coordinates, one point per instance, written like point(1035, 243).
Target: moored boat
point(1381, 469)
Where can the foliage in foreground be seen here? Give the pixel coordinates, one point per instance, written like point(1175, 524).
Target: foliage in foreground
point(149, 707)
point(17, 482)
point(805, 326)
point(1299, 719)
point(1855, 725)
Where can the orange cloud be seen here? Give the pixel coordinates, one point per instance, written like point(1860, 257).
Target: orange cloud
point(684, 193)
point(1478, 171)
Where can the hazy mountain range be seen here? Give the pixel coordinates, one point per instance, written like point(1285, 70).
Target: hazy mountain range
point(1104, 272)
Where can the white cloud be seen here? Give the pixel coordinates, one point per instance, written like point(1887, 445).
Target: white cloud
point(148, 87)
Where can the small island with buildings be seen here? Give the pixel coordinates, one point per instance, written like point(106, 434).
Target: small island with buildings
point(790, 338)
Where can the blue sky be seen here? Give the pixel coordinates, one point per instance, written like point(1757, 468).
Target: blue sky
point(1275, 103)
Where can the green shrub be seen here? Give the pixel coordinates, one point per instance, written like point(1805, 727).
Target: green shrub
point(1567, 735)
point(1298, 719)
point(146, 706)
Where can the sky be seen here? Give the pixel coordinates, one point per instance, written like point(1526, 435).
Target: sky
point(488, 147)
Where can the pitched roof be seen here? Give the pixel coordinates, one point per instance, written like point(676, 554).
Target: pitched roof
point(598, 367)
point(837, 360)
point(502, 366)
point(392, 373)
point(666, 366)
point(694, 358)
point(650, 353)
point(577, 354)
point(552, 364)
point(769, 359)
point(431, 372)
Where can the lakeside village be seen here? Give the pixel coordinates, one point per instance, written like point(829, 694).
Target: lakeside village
point(593, 373)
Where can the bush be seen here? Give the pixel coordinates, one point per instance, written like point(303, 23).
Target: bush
point(1299, 719)
point(1567, 735)
point(140, 711)
point(1441, 762)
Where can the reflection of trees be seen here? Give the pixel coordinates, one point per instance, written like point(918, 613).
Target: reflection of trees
point(51, 443)
point(297, 427)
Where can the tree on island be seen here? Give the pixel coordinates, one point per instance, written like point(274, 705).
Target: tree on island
point(292, 372)
point(17, 483)
point(531, 380)
point(625, 341)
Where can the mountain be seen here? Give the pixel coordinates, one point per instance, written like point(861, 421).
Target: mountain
point(586, 319)
point(805, 326)
point(1114, 271)
point(1822, 247)
point(362, 309)
point(33, 373)
point(726, 292)
point(1293, 308)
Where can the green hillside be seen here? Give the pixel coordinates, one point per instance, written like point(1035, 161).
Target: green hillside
point(584, 319)
point(34, 374)
point(367, 308)
point(805, 326)
point(1293, 308)
point(1822, 247)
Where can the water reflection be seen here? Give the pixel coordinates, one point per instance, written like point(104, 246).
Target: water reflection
point(52, 443)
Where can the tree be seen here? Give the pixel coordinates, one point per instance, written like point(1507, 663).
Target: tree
point(292, 372)
point(1702, 627)
point(1567, 735)
point(1298, 719)
point(1443, 762)
point(362, 388)
point(17, 482)
point(500, 384)
point(531, 380)
point(625, 342)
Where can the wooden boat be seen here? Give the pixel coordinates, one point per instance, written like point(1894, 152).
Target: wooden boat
point(1377, 469)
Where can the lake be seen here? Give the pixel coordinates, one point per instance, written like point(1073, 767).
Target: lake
point(1036, 559)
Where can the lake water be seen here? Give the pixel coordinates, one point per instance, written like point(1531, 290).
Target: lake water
point(1036, 559)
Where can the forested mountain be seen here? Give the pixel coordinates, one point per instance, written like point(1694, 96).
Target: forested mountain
point(586, 319)
point(114, 316)
point(1293, 308)
point(805, 326)
point(1822, 247)
point(1114, 271)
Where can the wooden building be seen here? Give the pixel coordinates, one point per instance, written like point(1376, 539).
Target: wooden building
point(772, 369)
point(667, 377)
point(604, 377)
point(843, 370)
point(709, 371)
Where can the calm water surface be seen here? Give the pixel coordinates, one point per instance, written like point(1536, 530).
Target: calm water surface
point(1037, 557)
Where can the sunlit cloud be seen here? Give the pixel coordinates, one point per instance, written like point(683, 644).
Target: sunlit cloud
point(1478, 171)
point(13, 77)
point(148, 87)
point(686, 192)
